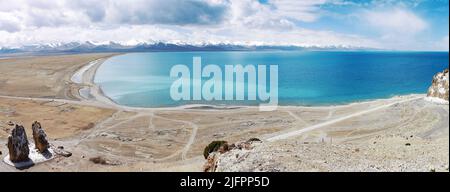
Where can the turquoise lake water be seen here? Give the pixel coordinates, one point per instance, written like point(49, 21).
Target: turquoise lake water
point(305, 78)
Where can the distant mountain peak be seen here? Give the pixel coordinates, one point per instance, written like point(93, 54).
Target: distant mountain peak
point(111, 46)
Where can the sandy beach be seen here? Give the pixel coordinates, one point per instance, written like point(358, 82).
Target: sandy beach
point(294, 138)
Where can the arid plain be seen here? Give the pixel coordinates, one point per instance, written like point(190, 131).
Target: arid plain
point(403, 133)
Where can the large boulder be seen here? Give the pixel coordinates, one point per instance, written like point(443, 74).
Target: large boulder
point(439, 87)
point(39, 137)
point(18, 145)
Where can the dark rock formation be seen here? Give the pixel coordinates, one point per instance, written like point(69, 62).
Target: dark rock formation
point(253, 140)
point(221, 146)
point(18, 145)
point(40, 138)
point(439, 87)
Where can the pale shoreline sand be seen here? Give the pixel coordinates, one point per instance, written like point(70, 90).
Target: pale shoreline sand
point(173, 138)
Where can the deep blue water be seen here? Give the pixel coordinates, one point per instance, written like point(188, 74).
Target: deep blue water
point(305, 78)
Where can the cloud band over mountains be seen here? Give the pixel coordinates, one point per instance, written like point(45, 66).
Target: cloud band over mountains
point(272, 22)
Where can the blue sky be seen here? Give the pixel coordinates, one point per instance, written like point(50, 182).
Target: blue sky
point(384, 24)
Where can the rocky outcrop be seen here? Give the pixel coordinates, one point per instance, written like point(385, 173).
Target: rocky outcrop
point(39, 137)
point(211, 162)
point(439, 87)
point(222, 147)
point(18, 145)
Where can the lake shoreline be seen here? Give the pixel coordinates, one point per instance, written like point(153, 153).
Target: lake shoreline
point(96, 91)
point(306, 79)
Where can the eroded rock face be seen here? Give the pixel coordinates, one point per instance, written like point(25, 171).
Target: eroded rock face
point(213, 160)
point(39, 137)
point(214, 146)
point(439, 87)
point(211, 163)
point(18, 145)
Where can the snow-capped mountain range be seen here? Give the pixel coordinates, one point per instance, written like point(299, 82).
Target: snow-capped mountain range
point(90, 47)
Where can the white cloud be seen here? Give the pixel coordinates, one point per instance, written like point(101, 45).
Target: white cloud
point(445, 40)
point(443, 44)
point(306, 10)
point(397, 28)
point(192, 21)
point(9, 24)
point(395, 21)
point(41, 13)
